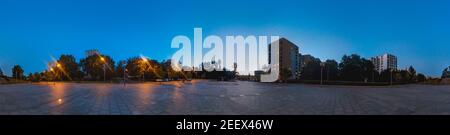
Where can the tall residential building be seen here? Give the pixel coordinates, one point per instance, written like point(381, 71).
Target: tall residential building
point(289, 57)
point(385, 61)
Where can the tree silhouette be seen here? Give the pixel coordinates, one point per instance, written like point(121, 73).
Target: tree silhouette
point(120, 68)
point(331, 71)
point(412, 72)
point(17, 72)
point(94, 67)
point(421, 77)
point(445, 73)
point(352, 68)
point(311, 70)
point(70, 68)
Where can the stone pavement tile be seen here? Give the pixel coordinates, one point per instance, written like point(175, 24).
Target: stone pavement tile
point(212, 97)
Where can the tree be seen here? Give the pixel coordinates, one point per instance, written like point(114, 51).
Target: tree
point(70, 69)
point(402, 76)
point(171, 73)
point(144, 67)
point(311, 71)
point(3, 76)
point(352, 68)
point(285, 74)
point(157, 69)
point(355, 68)
point(30, 77)
point(133, 67)
point(95, 66)
point(385, 76)
point(445, 73)
point(421, 77)
point(368, 70)
point(331, 70)
point(36, 77)
point(120, 69)
point(17, 72)
point(412, 72)
point(48, 76)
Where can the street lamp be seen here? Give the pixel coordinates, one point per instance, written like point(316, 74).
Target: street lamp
point(54, 75)
point(124, 75)
point(58, 66)
point(144, 61)
point(373, 75)
point(391, 74)
point(104, 68)
point(52, 70)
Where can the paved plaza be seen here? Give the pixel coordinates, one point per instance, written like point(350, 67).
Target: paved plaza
point(212, 97)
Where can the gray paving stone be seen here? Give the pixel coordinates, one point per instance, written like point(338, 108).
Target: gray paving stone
point(212, 97)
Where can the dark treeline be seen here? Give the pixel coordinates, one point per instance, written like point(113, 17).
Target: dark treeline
point(356, 69)
point(104, 68)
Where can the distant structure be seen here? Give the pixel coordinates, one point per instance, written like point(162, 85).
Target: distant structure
point(385, 61)
point(92, 52)
point(289, 57)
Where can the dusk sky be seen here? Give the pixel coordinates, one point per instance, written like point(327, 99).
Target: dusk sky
point(32, 31)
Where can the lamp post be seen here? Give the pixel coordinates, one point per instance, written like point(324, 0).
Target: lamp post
point(391, 75)
point(58, 66)
point(104, 68)
point(373, 75)
point(144, 62)
point(328, 73)
point(124, 75)
point(52, 71)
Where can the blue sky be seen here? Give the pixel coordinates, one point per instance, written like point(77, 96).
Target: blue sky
point(416, 31)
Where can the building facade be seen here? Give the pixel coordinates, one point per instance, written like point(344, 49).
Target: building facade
point(384, 62)
point(289, 57)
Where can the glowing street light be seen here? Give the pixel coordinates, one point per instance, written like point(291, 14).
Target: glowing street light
point(144, 61)
point(52, 71)
point(58, 65)
point(56, 72)
point(125, 75)
point(104, 68)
